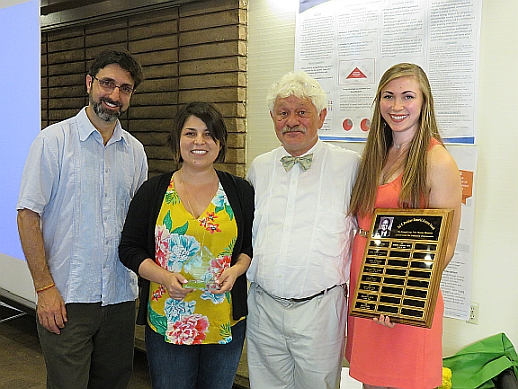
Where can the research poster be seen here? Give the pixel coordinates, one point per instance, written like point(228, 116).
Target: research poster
point(348, 44)
point(456, 278)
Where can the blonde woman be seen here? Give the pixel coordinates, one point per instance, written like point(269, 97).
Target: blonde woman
point(404, 165)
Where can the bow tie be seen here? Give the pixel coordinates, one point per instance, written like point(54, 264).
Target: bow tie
point(305, 162)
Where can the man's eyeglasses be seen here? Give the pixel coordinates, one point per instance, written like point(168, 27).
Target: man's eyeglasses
point(110, 85)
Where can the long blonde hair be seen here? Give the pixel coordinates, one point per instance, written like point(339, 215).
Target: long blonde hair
point(414, 188)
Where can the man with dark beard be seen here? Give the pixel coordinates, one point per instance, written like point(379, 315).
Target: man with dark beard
point(78, 181)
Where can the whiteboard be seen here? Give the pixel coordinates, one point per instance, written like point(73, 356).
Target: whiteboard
point(19, 124)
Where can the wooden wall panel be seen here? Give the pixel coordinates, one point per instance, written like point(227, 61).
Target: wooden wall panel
point(193, 51)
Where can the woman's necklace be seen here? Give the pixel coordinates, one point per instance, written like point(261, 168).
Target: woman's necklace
point(197, 269)
point(191, 209)
point(185, 190)
point(399, 145)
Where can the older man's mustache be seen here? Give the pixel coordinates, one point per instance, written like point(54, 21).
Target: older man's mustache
point(286, 129)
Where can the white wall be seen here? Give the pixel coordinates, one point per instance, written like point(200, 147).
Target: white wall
point(16, 281)
point(495, 263)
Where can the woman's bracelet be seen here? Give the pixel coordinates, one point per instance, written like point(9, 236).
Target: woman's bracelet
point(39, 290)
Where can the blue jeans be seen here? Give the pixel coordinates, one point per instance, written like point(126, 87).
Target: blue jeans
point(206, 366)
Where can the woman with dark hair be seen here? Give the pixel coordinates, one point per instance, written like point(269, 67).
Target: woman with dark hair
point(188, 235)
point(404, 165)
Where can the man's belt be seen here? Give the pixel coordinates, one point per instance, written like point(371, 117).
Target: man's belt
point(302, 299)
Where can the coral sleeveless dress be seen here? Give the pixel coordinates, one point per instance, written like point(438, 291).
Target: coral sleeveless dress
point(404, 357)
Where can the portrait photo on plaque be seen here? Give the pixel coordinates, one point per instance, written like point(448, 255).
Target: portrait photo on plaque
point(384, 226)
point(402, 265)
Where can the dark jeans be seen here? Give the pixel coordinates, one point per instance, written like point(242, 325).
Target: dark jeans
point(206, 366)
point(94, 350)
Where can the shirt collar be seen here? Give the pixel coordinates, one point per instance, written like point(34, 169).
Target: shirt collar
point(315, 149)
point(86, 129)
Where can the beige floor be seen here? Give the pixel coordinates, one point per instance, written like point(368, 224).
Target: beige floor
point(21, 361)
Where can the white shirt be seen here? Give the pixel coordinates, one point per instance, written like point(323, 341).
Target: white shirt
point(81, 189)
point(302, 233)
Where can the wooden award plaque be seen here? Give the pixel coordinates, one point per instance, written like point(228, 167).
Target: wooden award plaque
point(402, 265)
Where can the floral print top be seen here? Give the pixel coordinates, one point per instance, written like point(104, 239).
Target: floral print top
point(200, 249)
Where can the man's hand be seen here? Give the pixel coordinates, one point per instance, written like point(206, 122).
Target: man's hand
point(51, 310)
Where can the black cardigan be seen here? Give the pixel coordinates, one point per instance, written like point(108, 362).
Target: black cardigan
point(138, 235)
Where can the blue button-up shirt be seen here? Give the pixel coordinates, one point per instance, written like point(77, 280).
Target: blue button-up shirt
point(81, 189)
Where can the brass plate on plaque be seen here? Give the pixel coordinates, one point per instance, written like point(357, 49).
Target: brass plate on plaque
point(402, 266)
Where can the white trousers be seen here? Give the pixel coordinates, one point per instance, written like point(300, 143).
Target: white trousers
point(295, 345)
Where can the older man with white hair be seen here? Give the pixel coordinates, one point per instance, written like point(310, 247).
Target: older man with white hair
point(302, 238)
